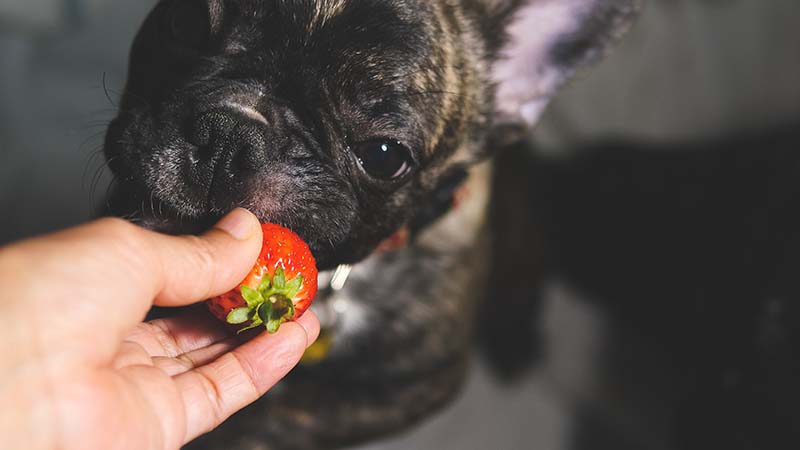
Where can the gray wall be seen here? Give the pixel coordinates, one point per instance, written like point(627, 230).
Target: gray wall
point(53, 108)
point(689, 68)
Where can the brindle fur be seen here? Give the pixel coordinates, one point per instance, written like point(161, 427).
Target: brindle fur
point(323, 74)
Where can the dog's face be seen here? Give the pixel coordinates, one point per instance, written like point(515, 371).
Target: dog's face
point(335, 118)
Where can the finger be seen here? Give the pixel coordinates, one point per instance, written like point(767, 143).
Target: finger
point(197, 268)
point(197, 358)
point(213, 392)
point(181, 334)
point(310, 323)
point(202, 356)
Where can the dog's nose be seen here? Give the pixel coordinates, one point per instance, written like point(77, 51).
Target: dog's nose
point(229, 140)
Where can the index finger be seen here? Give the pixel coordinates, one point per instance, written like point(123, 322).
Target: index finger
point(214, 392)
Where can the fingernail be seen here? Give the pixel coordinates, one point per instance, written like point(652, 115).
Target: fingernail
point(239, 223)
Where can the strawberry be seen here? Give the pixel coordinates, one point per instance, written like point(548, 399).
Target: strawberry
point(280, 287)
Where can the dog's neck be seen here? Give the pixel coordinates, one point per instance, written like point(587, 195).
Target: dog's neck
point(447, 196)
point(454, 212)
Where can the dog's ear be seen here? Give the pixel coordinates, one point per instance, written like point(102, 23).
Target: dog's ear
point(543, 43)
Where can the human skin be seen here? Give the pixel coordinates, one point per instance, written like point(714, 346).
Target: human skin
point(80, 370)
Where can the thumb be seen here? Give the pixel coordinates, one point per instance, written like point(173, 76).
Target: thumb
point(195, 268)
point(111, 272)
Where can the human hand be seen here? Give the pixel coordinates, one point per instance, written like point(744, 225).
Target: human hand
point(79, 370)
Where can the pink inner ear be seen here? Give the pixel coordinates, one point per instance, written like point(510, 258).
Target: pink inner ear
point(525, 76)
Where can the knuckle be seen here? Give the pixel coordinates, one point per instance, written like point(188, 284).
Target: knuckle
point(165, 337)
point(186, 361)
point(115, 227)
point(248, 373)
point(120, 233)
point(130, 243)
point(214, 398)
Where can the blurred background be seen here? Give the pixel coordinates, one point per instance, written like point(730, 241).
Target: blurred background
point(660, 278)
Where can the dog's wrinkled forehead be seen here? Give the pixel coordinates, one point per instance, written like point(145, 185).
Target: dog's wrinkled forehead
point(361, 58)
point(312, 15)
point(310, 21)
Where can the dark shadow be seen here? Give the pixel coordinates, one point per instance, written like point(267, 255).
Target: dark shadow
point(510, 342)
point(693, 252)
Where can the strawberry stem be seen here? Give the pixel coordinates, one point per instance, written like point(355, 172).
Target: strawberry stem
point(270, 304)
point(276, 310)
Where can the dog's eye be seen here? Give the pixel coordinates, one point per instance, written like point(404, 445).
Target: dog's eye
point(188, 23)
point(384, 159)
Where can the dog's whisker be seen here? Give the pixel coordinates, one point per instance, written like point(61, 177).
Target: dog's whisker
point(107, 195)
point(95, 183)
point(90, 162)
point(101, 169)
point(105, 91)
point(152, 209)
point(89, 139)
point(96, 160)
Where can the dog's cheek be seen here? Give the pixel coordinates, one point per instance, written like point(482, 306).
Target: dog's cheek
point(126, 136)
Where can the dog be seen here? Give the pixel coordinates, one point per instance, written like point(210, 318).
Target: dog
point(366, 126)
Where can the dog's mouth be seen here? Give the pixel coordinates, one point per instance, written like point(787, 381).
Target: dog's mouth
point(147, 210)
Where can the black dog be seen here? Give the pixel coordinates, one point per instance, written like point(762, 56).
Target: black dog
point(349, 121)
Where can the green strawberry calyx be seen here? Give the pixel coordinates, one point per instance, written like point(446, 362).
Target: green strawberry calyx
point(270, 304)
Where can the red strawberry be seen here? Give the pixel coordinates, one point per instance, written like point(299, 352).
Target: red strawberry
point(280, 287)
